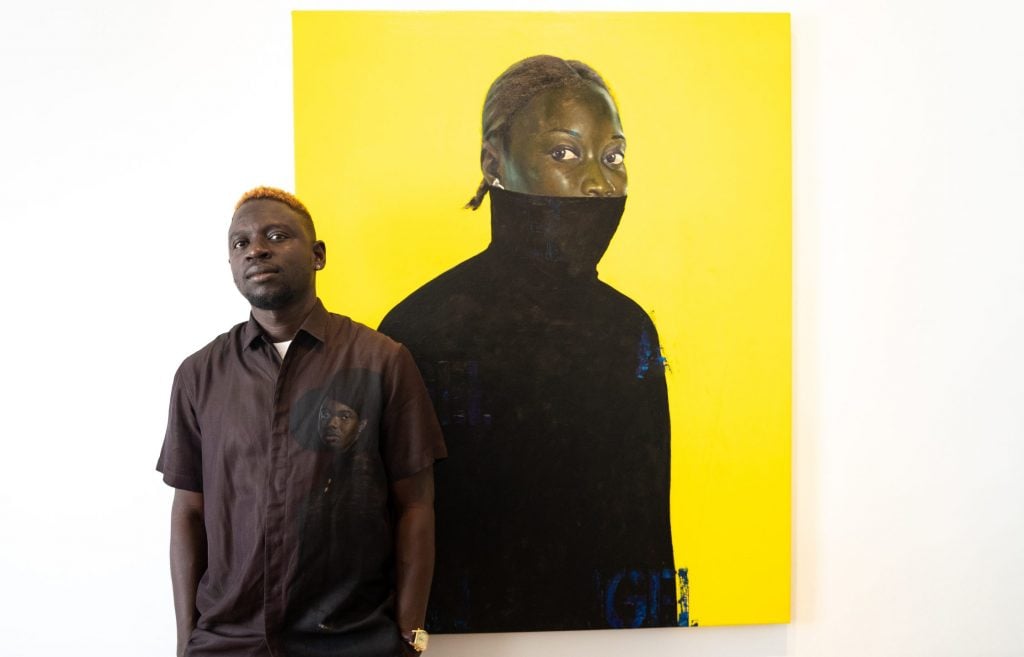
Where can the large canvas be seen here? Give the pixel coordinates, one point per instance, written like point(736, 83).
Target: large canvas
point(566, 451)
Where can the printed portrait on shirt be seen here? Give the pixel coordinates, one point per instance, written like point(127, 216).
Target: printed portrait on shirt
point(334, 418)
point(333, 427)
point(336, 432)
point(599, 362)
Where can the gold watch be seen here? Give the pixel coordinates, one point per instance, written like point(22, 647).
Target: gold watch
point(417, 638)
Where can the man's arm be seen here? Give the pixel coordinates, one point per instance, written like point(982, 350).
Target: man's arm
point(188, 560)
point(414, 546)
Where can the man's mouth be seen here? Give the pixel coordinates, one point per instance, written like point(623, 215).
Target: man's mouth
point(260, 273)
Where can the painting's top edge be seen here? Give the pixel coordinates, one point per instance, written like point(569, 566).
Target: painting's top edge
point(493, 12)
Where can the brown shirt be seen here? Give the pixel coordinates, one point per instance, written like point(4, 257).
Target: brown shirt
point(293, 459)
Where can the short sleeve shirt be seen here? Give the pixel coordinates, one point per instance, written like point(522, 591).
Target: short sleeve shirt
point(294, 457)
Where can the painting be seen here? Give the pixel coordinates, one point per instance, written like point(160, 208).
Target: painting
point(609, 354)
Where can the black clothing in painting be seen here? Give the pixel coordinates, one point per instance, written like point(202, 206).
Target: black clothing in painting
point(553, 506)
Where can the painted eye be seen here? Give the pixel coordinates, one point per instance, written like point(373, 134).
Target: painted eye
point(614, 159)
point(562, 154)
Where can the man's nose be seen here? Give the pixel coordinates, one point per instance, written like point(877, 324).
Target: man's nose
point(257, 250)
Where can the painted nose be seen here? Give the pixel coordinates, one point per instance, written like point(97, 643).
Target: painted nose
point(596, 182)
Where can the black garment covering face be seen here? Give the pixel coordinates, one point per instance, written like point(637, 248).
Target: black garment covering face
point(566, 234)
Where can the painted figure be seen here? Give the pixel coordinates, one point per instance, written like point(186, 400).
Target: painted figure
point(553, 507)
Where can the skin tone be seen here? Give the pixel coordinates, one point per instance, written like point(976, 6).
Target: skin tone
point(413, 499)
point(565, 142)
point(274, 258)
point(188, 561)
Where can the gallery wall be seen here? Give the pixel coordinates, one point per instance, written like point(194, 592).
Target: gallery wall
point(127, 130)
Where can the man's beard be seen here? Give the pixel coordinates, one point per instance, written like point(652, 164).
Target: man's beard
point(270, 299)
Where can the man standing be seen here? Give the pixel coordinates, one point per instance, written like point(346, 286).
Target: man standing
point(282, 543)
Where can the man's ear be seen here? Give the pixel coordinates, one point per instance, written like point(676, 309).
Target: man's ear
point(491, 162)
point(319, 254)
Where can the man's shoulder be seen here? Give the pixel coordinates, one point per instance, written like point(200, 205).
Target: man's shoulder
point(223, 343)
point(345, 331)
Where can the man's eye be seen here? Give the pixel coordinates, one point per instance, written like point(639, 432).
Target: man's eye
point(239, 244)
point(614, 159)
point(562, 153)
point(277, 237)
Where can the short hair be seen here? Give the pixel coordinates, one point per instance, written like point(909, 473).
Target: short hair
point(276, 194)
point(514, 88)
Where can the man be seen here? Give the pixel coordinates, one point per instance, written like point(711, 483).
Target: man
point(282, 544)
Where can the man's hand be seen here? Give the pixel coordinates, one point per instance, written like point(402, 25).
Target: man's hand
point(414, 547)
point(408, 650)
point(188, 560)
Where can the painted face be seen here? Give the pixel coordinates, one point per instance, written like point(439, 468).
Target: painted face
point(566, 142)
point(338, 424)
point(272, 254)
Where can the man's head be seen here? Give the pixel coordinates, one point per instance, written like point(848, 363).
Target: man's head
point(273, 250)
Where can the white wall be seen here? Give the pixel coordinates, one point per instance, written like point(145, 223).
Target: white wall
point(127, 130)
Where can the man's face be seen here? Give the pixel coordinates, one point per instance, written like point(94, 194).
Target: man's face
point(273, 254)
point(338, 425)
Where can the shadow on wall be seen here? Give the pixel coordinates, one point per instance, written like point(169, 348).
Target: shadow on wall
point(735, 641)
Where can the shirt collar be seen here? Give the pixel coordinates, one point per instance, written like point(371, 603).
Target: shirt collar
point(315, 324)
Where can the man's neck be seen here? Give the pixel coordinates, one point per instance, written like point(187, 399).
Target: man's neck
point(281, 325)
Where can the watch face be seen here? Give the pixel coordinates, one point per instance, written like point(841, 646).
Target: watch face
point(420, 639)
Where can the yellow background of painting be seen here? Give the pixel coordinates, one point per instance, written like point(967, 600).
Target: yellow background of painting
point(387, 130)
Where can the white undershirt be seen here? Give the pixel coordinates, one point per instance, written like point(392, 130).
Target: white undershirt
point(282, 347)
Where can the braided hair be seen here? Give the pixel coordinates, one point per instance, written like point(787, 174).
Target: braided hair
point(514, 88)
